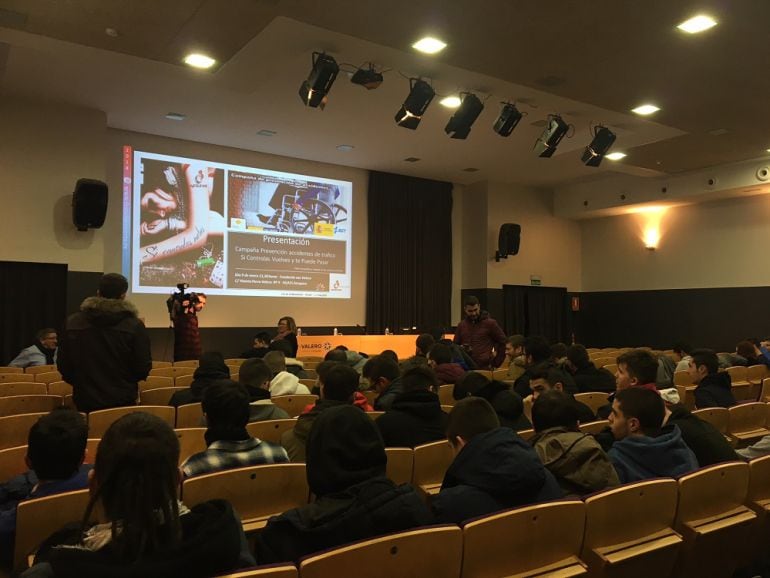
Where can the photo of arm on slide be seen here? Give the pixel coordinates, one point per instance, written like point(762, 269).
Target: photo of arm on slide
point(181, 223)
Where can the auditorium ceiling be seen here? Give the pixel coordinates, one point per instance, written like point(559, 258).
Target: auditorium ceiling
point(591, 62)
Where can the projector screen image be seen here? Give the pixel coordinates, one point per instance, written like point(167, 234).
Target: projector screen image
point(233, 230)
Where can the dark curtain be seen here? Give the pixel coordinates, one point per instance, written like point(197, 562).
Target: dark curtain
point(537, 311)
point(33, 296)
point(409, 268)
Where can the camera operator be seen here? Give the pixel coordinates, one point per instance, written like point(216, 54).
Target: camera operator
point(183, 309)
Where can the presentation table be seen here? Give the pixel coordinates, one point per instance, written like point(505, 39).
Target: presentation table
point(319, 345)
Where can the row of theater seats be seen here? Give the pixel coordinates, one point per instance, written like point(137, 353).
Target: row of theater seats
point(706, 523)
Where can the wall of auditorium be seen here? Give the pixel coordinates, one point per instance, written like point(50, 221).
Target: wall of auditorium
point(550, 246)
point(45, 148)
point(712, 244)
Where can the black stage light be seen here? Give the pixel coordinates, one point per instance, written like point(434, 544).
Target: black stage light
point(315, 89)
point(369, 78)
point(508, 119)
point(459, 126)
point(551, 137)
point(594, 153)
point(415, 105)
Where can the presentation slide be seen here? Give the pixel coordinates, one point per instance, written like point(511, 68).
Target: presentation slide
point(233, 230)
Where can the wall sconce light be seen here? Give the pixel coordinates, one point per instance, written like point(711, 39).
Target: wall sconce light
point(651, 238)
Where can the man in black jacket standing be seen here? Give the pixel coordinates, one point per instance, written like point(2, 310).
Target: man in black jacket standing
point(105, 351)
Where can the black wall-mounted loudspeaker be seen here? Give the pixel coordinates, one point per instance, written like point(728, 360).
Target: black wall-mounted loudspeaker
point(508, 240)
point(89, 204)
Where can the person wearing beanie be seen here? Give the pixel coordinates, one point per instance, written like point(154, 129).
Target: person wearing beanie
point(354, 499)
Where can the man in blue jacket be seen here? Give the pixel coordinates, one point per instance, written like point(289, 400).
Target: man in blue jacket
point(643, 449)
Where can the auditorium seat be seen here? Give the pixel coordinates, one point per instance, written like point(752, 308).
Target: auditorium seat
point(687, 395)
point(540, 540)
point(235, 361)
point(191, 441)
point(293, 404)
point(500, 374)
point(682, 378)
point(270, 430)
point(754, 375)
point(758, 499)
point(172, 371)
point(48, 377)
point(99, 421)
point(5, 369)
point(526, 434)
point(271, 571)
point(716, 416)
point(400, 466)
point(256, 492)
point(746, 421)
point(370, 395)
point(61, 388)
point(154, 382)
point(606, 360)
point(157, 364)
point(741, 385)
point(374, 414)
point(158, 396)
point(184, 380)
point(304, 358)
point(22, 388)
point(593, 399)
point(486, 373)
point(12, 460)
point(594, 427)
point(34, 369)
point(629, 531)
point(309, 383)
point(37, 519)
point(17, 404)
point(611, 367)
point(764, 395)
point(308, 365)
point(430, 464)
point(189, 415)
point(17, 377)
point(194, 363)
point(14, 429)
point(435, 551)
point(714, 521)
point(445, 394)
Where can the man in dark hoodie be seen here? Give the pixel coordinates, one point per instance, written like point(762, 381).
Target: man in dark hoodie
point(384, 377)
point(507, 404)
point(545, 378)
point(440, 360)
point(415, 418)
point(643, 449)
point(211, 367)
point(714, 387)
point(338, 386)
point(260, 346)
point(354, 499)
point(537, 352)
point(493, 469)
point(255, 376)
point(105, 351)
point(480, 335)
point(586, 375)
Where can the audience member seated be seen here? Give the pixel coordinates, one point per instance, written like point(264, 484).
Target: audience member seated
point(260, 346)
point(706, 442)
point(42, 352)
point(283, 382)
point(714, 386)
point(423, 343)
point(750, 351)
point(493, 468)
point(354, 499)
point(643, 449)
point(352, 358)
point(211, 367)
point(415, 417)
point(681, 355)
point(338, 384)
point(536, 352)
point(254, 375)
point(148, 532)
point(576, 460)
point(392, 355)
point(559, 353)
point(384, 377)
point(666, 367)
point(544, 378)
point(586, 375)
point(507, 404)
point(440, 360)
point(514, 360)
point(293, 365)
point(459, 354)
point(56, 448)
point(637, 368)
point(226, 409)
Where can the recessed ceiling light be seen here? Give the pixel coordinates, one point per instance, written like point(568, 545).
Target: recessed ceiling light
point(111, 32)
point(645, 109)
point(411, 159)
point(768, 150)
point(451, 101)
point(429, 45)
point(615, 156)
point(176, 116)
point(197, 60)
point(697, 24)
point(345, 148)
point(266, 132)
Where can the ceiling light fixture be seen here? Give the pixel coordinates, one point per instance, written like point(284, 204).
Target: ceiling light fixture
point(345, 148)
point(429, 45)
point(554, 131)
point(508, 119)
point(197, 60)
point(415, 105)
point(697, 24)
point(369, 78)
point(645, 109)
point(601, 143)
point(315, 90)
point(451, 101)
point(459, 126)
point(176, 116)
point(615, 156)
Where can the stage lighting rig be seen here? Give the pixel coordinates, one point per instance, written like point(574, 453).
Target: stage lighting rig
point(554, 131)
point(415, 105)
point(315, 90)
point(508, 119)
point(459, 126)
point(601, 143)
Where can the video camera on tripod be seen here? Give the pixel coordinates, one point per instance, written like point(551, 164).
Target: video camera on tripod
point(182, 302)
